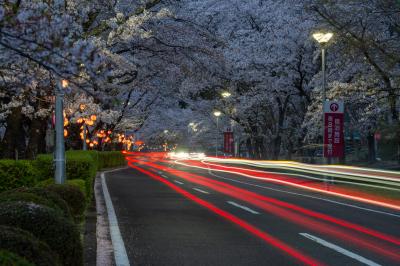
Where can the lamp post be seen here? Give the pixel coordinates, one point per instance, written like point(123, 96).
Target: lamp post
point(217, 114)
point(190, 130)
point(323, 39)
point(59, 158)
point(227, 94)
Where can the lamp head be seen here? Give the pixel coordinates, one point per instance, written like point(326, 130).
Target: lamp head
point(64, 83)
point(217, 113)
point(226, 94)
point(323, 37)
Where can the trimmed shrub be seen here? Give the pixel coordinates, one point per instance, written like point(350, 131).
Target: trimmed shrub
point(15, 174)
point(25, 245)
point(109, 159)
point(29, 197)
point(44, 166)
point(80, 165)
point(73, 196)
point(80, 183)
point(11, 259)
point(61, 234)
point(48, 195)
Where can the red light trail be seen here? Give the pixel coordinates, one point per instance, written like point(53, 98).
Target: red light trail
point(286, 180)
point(243, 224)
point(302, 216)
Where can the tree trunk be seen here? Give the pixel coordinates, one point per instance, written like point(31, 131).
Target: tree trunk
point(37, 143)
point(371, 147)
point(276, 150)
point(393, 106)
point(14, 135)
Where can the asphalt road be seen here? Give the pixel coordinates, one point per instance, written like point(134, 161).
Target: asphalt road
point(175, 215)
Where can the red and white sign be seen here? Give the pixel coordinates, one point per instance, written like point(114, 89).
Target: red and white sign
point(333, 129)
point(228, 142)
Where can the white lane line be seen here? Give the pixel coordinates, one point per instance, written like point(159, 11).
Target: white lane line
point(202, 191)
point(165, 176)
point(340, 250)
point(178, 182)
point(243, 207)
point(121, 257)
point(307, 196)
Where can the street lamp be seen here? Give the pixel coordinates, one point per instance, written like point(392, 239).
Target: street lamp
point(226, 94)
point(217, 114)
point(190, 129)
point(59, 156)
point(323, 39)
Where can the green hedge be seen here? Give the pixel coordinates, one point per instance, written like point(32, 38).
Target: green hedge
point(80, 165)
point(25, 245)
point(29, 197)
point(48, 195)
point(80, 183)
point(15, 174)
point(109, 159)
point(73, 196)
point(11, 259)
point(61, 234)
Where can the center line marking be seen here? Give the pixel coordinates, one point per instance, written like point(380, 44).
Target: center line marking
point(178, 182)
point(202, 191)
point(164, 176)
point(243, 207)
point(340, 250)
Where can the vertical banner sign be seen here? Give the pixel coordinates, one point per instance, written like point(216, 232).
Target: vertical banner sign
point(333, 129)
point(228, 142)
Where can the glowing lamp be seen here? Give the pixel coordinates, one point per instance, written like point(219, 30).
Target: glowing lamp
point(323, 38)
point(93, 117)
point(217, 113)
point(65, 133)
point(226, 94)
point(64, 83)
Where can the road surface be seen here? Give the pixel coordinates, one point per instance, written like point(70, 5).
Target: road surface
point(173, 214)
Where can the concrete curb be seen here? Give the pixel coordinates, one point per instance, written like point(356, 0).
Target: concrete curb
point(105, 254)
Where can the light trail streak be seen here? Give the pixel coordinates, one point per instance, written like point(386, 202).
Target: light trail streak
point(233, 219)
point(356, 181)
point(281, 209)
point(317, 169)
point(245, 172)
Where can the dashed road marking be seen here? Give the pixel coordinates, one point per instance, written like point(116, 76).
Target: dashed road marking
point(340, 250)
point(201, 191)
point(178, 182)
point(243, 207)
